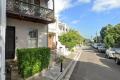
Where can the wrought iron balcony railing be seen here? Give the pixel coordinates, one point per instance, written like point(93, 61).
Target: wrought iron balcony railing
point(30, 10)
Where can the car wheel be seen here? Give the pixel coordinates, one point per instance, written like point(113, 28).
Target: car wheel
point(117, 61)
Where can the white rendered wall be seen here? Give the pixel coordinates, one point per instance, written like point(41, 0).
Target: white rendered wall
point(22, 29)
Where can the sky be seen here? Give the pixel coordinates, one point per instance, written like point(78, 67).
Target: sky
point(88, 16)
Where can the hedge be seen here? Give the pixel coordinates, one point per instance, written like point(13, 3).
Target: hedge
point(32, 60)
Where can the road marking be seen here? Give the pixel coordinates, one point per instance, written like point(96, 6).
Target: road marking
point(67, 77)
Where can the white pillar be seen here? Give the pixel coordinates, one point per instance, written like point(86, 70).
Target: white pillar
point(2, 37)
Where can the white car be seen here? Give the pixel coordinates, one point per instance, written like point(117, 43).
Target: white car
point(110, 53)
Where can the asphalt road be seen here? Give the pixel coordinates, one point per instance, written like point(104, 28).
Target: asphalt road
point(93, 66)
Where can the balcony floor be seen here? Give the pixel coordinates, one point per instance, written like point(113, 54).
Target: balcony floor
point(27, 18)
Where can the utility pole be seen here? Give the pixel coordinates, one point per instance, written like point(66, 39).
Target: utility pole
point(96, 37)
point(91, 38)
point(2, 38)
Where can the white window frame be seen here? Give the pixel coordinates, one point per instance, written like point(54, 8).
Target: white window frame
point(33, 38)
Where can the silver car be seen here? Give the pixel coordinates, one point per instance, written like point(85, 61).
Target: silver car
point(101, 49)
point(117, 56)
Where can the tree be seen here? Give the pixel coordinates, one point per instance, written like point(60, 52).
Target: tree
point(111, 35)
point(117, 35)
point(71, 39)
point(109, 40)
point(97, 39)
point(103, 31)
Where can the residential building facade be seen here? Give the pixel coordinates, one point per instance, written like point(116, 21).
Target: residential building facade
point(27, 24)
point(23, 24)
point(54, 31)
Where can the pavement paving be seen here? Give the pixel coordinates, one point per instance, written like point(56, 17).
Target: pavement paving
point(54, 72)
point(93, 66)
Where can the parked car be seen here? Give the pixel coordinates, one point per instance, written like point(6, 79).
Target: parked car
point(117, 56)
point(101, 49)
point(96, 45)
point(110, 53)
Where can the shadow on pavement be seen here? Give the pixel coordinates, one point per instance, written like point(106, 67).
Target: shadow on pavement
point(87, 48)
point(102, 55)
point(111, 64)
point(108, 62)
point(106, 69)
point(90, 51)
point(92, 71)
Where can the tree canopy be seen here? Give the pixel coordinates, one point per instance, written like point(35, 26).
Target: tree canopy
point(97, 39)
point(111, 35)
point(104, 29)
point(71, 39)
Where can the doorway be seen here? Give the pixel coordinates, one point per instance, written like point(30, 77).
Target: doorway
point(10, 43)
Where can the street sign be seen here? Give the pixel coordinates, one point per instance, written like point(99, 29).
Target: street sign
point(2, 38)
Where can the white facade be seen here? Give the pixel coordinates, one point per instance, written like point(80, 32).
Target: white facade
point(28, 33)
point(22, 29)
point(58, 28)
point(22, 36)
point(62, 28)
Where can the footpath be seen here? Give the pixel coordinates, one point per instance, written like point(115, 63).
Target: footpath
point(52, 73)
point(68, 66)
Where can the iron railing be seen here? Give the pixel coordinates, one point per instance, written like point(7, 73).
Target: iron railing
point(32, 10)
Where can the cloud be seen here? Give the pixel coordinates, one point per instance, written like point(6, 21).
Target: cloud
point(97, 5)
point(84, 1)
point(62, 5)
point(75, 21)
point(103, 5)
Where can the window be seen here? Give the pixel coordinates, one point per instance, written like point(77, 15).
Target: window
point(33, 38)
point(33, 33)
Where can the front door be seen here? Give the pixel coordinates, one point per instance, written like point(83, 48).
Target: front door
point(10, 43)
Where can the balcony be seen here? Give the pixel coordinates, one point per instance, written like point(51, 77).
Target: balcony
point(30, 12)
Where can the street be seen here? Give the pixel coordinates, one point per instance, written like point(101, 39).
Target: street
point(93, 66)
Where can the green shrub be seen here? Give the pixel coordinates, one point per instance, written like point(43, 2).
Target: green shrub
point(36, 67)
point(32, 60)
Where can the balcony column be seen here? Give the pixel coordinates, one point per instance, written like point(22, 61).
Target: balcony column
point(2, 38)
point(53, 5)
